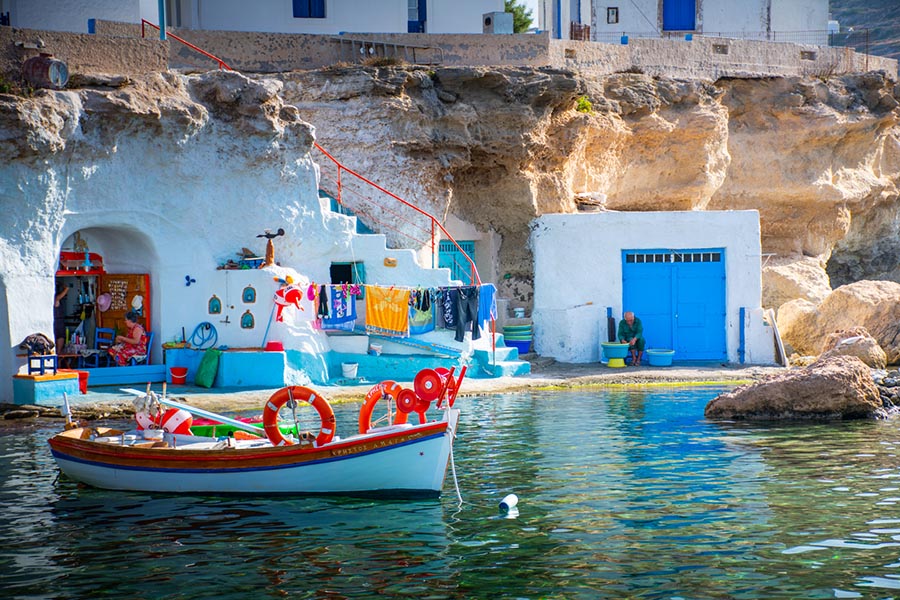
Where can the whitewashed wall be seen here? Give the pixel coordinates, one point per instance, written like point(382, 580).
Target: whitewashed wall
point(371, 16)
point(458, 16)
point(578, 272)
point(68, 15)
point(717, 16)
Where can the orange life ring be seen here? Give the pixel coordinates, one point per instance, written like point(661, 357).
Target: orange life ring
point(297, 393)
point(379, 390)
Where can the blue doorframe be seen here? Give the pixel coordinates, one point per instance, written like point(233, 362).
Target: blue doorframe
point(449, 257)
point(679, 295)
point(679, 15)
point(416, 16)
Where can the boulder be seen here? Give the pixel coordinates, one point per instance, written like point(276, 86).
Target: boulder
point(797, 323)
point(839, 387)
point(873, 305)
point(787, 278)
point(855, 342)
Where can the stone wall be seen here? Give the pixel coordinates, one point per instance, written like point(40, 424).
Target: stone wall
point(706, 58)
point(83, 53)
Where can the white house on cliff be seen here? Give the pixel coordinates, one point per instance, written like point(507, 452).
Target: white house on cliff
point(747, 19)
point(275, 16)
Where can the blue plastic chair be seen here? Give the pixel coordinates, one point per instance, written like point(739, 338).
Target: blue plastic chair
point(103, 339)
point(146, 360)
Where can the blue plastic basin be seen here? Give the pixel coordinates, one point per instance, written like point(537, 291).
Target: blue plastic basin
point(660, 358)
point(614, 349)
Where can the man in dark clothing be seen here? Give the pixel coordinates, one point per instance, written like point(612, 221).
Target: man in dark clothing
point(632, 332)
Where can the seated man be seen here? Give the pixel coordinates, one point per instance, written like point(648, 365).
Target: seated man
point(632, 332)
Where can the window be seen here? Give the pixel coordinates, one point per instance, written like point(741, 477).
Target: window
point(349, 272)
point(612, 15)
point(309, 9)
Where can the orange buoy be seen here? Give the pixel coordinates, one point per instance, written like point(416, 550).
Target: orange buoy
point(176, 420)
point(297, 393)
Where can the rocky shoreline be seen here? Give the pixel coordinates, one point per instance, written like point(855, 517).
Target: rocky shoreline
point(110, 404)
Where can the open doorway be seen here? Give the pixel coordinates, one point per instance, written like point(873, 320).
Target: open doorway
point(96, 287)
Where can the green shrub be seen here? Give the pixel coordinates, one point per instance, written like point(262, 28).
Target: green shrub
point(584, 105)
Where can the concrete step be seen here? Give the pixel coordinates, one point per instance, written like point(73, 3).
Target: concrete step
point(503, 353)
point(509, 368)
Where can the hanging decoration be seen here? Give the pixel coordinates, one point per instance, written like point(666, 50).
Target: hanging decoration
point(247, 320)
point(249, 295)
point(289, 294)
point(215, 305)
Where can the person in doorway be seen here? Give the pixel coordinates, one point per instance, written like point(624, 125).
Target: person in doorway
point(631, 331)
point(133, 343)
point(59, 315)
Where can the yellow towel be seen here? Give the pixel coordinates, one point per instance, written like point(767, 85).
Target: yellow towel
point(387, 311)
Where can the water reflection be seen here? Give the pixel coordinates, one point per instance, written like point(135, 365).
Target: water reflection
point(622, 494)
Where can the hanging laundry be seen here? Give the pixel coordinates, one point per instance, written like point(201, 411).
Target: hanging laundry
point(467, 312)
point(343, 310)
point(487, 303)
point(447, 310)
point(323, 302)
point(421, 320)
point(387, 311)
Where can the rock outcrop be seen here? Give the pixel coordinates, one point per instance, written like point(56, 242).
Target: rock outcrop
point(855, 342)
point(496, 147)
point(833, 388)
point(873, 305)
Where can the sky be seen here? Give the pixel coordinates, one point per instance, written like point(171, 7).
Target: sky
point(533, 6)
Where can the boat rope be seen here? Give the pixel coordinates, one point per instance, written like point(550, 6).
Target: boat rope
point(148, 403)
point(453, 471)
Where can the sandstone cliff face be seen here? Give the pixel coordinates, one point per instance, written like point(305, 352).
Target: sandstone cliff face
point(820, 159)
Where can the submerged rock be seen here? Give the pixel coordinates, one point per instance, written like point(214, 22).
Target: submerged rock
point(839, 387)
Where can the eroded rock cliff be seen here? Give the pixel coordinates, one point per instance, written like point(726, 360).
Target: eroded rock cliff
point(818, 157)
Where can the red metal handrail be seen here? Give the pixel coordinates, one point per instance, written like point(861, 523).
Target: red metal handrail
point(221, 62)
point(434, 222)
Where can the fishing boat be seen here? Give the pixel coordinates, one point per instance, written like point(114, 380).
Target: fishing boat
point(163, 455)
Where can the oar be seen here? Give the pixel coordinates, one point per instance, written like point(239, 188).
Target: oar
point(199, 412)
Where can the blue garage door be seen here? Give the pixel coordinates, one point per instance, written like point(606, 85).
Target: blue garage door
point(679, 295)
point(679, 15)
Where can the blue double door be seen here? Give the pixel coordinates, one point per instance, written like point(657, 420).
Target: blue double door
point(679, 295)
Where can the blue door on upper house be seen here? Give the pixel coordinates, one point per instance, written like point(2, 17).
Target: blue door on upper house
point(415, 16)
point(450, 257)
point(679, 296)
point(679, 15)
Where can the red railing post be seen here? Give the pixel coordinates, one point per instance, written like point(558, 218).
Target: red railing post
point(339, 198)
point(432, 244)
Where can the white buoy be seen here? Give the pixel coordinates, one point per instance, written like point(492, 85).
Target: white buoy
point(509, 502)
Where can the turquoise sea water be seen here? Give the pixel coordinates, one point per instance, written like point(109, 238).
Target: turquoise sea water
point(623, 494)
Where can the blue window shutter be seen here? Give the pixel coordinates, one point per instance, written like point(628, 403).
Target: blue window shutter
point(309, 9)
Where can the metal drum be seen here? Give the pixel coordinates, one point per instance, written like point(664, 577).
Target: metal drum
point(44, 71)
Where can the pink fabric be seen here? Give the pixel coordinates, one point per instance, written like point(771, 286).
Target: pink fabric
point(124, 351)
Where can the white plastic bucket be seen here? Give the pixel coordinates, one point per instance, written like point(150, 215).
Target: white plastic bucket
point(519, 313)
point(349, 370)
point(375, 349)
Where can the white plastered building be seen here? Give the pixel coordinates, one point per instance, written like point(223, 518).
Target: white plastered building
point(692, 277)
